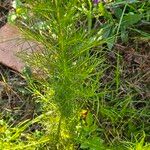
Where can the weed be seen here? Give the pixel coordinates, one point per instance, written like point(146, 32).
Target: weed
point(79, 67)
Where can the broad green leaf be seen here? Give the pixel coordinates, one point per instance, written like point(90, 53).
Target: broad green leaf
point(131, 19)
point(94, 143)
point(118, 12)
point(89, 119)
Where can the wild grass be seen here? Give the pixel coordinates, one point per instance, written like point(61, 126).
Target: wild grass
point(84, 99)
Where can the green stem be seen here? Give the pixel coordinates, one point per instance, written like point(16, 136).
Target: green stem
point(89, 15)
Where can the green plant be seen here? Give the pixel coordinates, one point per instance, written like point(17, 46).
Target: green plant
point(88, 136)
point(139, 144)
point(71, 71)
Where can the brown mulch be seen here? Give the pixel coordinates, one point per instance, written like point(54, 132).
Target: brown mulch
point(16, 102)
point(134, 66)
